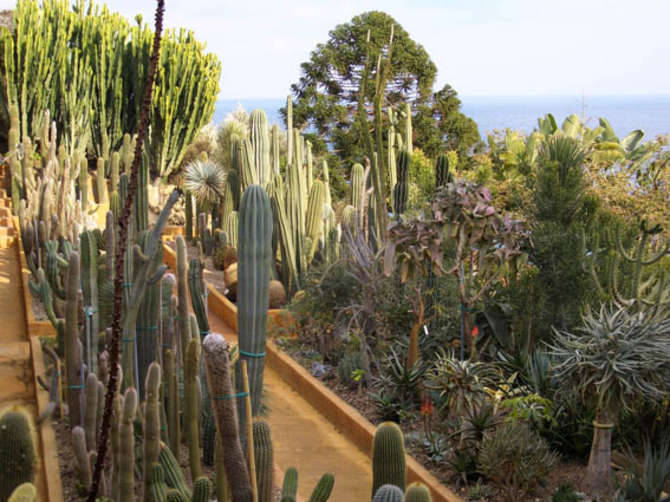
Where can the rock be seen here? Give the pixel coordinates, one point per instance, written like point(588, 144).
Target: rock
point(277, 294)
point(230, 278)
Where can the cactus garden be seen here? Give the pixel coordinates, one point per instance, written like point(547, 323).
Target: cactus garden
point(365, 300)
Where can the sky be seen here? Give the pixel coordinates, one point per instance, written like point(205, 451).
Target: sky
point(480, 47)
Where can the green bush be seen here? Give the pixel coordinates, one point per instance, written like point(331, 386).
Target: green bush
point(515, 459)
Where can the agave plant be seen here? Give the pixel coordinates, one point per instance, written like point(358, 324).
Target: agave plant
point(460, 382)
point(646, 479)
point(614, 359)
point(205, 180)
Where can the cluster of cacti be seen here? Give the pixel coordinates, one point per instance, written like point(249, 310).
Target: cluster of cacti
point(90, 73)
point(320, 493)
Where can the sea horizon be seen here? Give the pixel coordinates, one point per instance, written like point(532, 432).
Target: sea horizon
point(625, 112)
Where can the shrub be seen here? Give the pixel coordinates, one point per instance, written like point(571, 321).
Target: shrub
point(515, 459)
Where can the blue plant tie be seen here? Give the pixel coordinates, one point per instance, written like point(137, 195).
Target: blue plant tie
point(89, 311)
point(204, 332)
point(127, 340)
point(127, 284)
point(251, 354)
point(147, 328)
point(79, 386)
point(231, 396)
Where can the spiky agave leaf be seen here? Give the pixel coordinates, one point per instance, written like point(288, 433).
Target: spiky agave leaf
point(205, 180)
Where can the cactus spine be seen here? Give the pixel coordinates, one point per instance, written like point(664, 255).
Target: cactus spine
point(388, 457)
point(17, 449)
point(254, 254)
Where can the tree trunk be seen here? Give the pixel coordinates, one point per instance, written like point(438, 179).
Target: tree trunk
point(599, 470)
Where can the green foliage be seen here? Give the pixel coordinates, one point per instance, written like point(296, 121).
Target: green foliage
point(515, 459)
point(565, 493)
point(328, 90)
point(399, 387)
point(645, 480)
point(348, 369)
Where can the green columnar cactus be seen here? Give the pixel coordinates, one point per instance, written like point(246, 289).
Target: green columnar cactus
point(83, 186)
point(127, 442)
point(357, 186)
point(110, 245)
point(264, 458)
point(116, 445)
point(91, 412)
point(408, 129)
point(191, 405)
point(188, 214)
point(141, 202)
point(157, 487)
point(198, 292)
point(182, 296)
point(17, 449)
point(442, 174)
point(81, 456)
point(388, 493)
point(230, 226)
point(201, 490)
point(73, 356)
point(89, 285)
point(417, 492)
point(323, 488)
point(289, 488)
point(174, 476)
point(388, 457)
point(314, 225)
point(175, 496)
point(152, 424)
point(260, 142)
point(309, 168)
point(275, 160)
point(223, 401)
point(286, 236)
point(101, 182)
point(391, 149)
point(253, 272)
point(326, 181)
point(171, 378)
point(289, 128)
point(402, 186)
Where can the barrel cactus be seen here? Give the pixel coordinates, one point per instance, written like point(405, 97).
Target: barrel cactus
point(388, 493)
point(417, 492)
point(17, 449)
point(388, 457)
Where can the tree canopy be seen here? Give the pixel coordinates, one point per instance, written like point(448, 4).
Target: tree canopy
point(328, 92)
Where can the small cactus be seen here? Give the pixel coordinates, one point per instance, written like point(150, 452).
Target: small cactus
point(323, 488)
point(388, 457)
point(263, 456)
point(388, 493)
point(417, 492)
point(17, 449)
point(290, 486)
point(24, 493)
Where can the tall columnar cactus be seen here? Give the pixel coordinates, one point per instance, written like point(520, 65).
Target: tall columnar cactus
point(116, 445)
point(17, 449)
point(230, 226)
point(171, 378)
point(89, 285)
point(73, 356)
point(127, 442)
point(182, 296)
point(101, 182)
point(81, 456)
point(260, 143)
point(309, 167)
point(408, 128)
point(263, 456)
point(152, 425)
point(174, 476)
point(198, 290)
point(417, 492)
point(323, 488)
point(157, 487)
point(253, 272)
point(188, 215)
point(224, 403)
point(83, 185)
point(388, 493)
point(388, 457)
point(192, 405)
point(91, 412)
point(442, 174)
point(275, 160)
point(391, 149)
point(314, 216)
point(401, 189)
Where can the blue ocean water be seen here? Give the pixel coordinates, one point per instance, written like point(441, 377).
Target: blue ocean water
point(625, 113)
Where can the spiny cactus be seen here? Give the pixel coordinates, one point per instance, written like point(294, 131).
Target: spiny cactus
point(417, 492)
point(174, 476)
point(73, 357)
point(17, 449)
point(127, 442)
point(223, 402)
point(254, 254)
point(24, 493)
point(91, 411)
point(157, 488)
point(81, 456)
point(263, 455)
point(323, 488)
point(314, 215)
point(201, 490)
point(152, 423)
point(198, 292)
point(192, 405)
point(388, 457)
point(400, 192)
point(357, 186)
point(388, 493)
